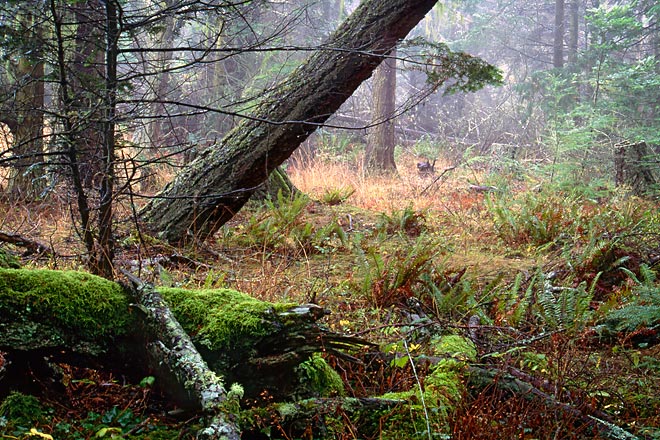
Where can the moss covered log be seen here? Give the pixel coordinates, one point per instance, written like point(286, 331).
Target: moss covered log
point(256, 343)
point(47, 309)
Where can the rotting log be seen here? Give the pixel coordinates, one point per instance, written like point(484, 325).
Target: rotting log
point(216, 185)
point(31, 246)
point(191, 338)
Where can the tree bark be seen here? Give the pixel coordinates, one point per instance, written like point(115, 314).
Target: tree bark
point(210, 190)
point(172, 349)
point(379, 155)
point(558, 44)
point(26, 114)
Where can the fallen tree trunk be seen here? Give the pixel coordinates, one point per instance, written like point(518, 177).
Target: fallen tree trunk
point(188, 338)
point(31, 246)
point(216, 185)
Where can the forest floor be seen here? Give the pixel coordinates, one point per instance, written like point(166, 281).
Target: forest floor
point(561, 278)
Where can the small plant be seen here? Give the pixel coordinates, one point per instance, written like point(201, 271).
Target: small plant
point(336, 196)
point(390, 279)
point(337, 147)
point(407, 221)
point(21, 409)
point(280, 226)
point(536, 219)
point(565, 308)
point(317, 378)
point(643, 311)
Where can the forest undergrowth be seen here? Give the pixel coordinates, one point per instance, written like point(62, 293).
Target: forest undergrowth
point(552, 284)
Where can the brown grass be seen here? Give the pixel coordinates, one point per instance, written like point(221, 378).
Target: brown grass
point(384, 193)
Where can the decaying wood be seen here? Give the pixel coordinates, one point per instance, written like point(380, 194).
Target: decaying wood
point(51, 317)
point(175, 351)
point(31, 246)
point(216, 185)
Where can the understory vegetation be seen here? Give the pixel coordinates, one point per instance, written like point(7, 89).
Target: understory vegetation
point(504, 304)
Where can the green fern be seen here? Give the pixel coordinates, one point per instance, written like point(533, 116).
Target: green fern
point(644, 310)
point(566, 308)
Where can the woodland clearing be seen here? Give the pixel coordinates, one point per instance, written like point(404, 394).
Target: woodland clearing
point(553, 285)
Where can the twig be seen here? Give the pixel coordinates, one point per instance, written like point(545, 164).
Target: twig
point(445, 171)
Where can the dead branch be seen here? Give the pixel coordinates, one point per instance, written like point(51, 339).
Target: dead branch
point(32, 246)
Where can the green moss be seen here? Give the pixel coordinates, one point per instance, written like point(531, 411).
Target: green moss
point(8, 260)
point(455, 346)
point(443, 386)
point(222, 319)
point(21, 409)
point(318, 378)
point(80, 303)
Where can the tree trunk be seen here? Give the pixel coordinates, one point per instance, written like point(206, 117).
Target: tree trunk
point(558, 44)
point(27, 116)
point(379, 155)
point(278, 182)
point(210, 190)
point(102, 265)
point(86, 76)
point(573, 33)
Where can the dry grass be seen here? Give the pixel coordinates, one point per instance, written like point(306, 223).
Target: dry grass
point(385, 193)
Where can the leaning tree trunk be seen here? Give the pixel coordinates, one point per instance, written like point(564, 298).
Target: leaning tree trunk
point(208, 192)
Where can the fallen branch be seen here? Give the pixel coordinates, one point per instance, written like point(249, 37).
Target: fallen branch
point(445, 171)
point(483, 376)
point(175, 351)
point(32, 246)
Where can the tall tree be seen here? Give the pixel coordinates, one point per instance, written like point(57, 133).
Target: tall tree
point(210, 190)
point(559, 29)
point(573, 32)
point(379, 154)
point(23, 111)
